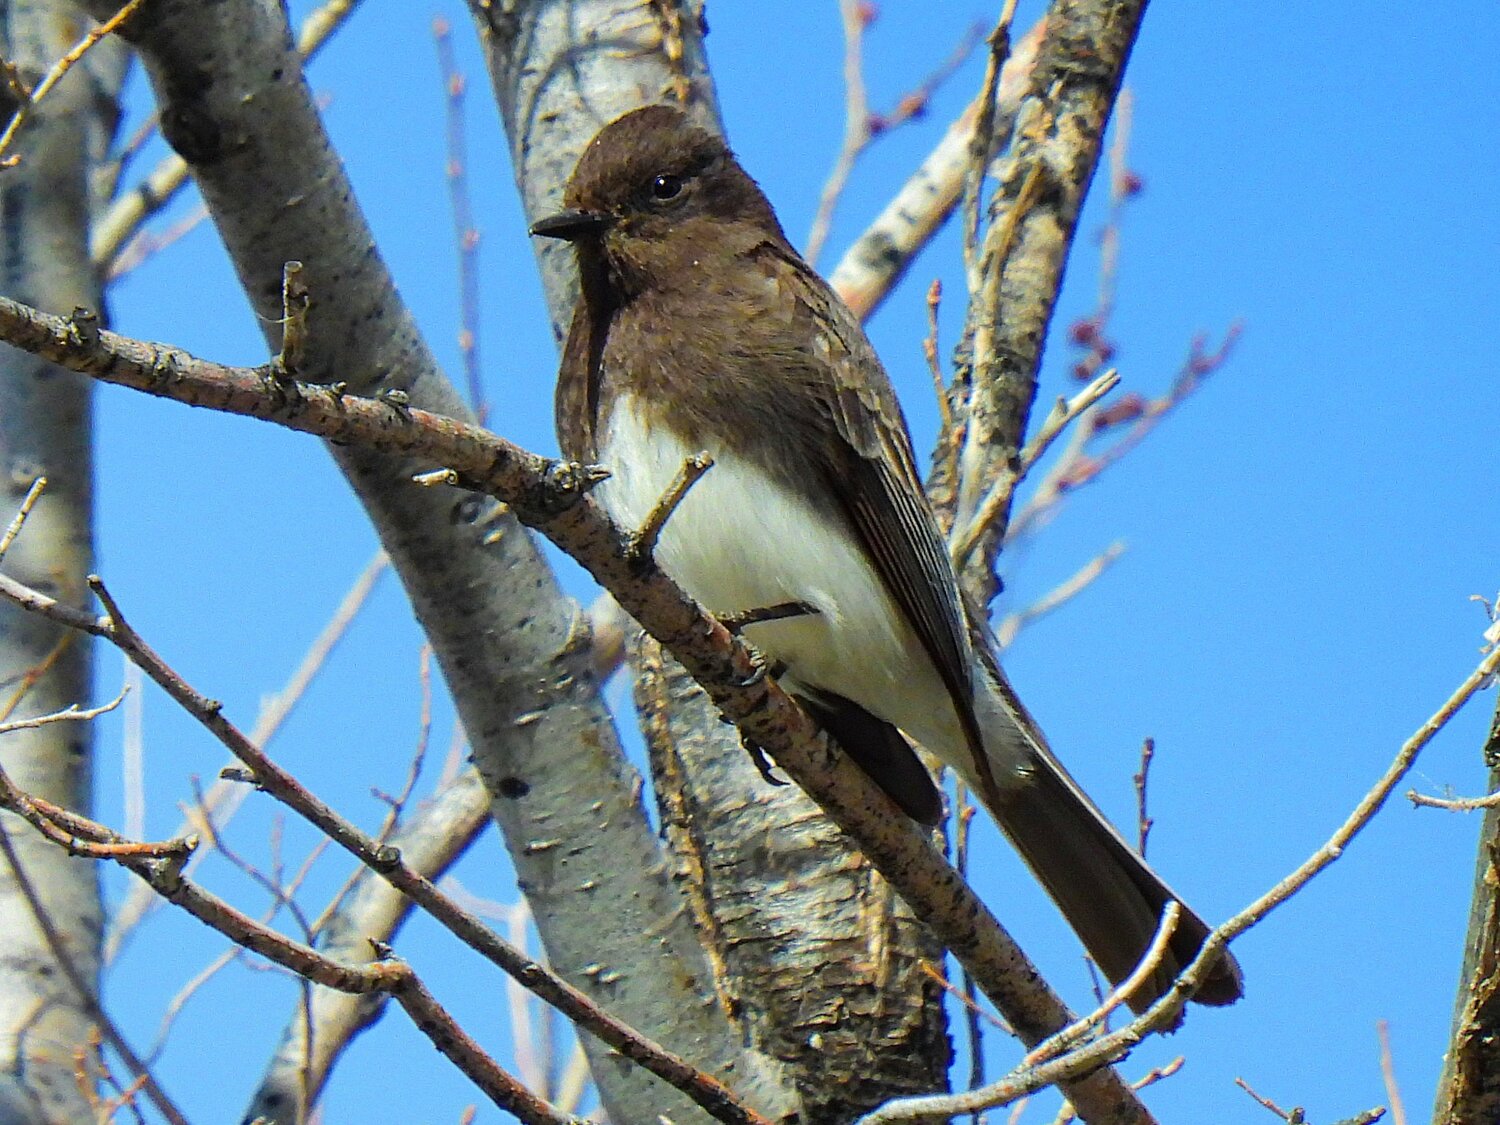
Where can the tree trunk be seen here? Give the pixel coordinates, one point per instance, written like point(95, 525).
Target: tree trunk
point(49, 902)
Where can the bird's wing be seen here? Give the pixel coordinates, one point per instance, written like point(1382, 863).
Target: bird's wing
point(877, 477)
point(579, 378)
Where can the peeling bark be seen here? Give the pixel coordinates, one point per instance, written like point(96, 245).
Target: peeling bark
point(1469, 1091)
point(814, 951)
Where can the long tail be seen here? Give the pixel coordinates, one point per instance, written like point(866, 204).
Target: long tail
point(1106, 891)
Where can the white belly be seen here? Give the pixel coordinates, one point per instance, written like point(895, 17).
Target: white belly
point(740, 541)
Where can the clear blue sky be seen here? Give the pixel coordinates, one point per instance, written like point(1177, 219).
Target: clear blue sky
point(1303, 536)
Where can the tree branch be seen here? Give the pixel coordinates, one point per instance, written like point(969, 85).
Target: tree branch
point(1043, 179)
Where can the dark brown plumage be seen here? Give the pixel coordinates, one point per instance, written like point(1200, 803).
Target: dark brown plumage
point(699, 328)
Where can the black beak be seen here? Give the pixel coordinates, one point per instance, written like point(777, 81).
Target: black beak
point(570, 225)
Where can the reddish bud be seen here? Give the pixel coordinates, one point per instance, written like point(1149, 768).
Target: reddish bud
point(1127, 409)
point(1083, 332)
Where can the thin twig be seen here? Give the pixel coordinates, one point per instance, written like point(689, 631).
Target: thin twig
point(1063, 413)
point(1285, 1115)
point(963, 823)
point(465, 233)
point(179, 1001)
point(643, 542)
point(146, 244)
point(394, 805)
point(1388, 1074)
point(1141, 779)
point(125, 217)
point(1453, 804)
point(966, 999)
point(70, 714)
point(28, 102)
point(930, 354)
point(1060, 595)
point(18, 521)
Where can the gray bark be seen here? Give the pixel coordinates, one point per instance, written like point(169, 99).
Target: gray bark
point(45, 431)
point(514, 651)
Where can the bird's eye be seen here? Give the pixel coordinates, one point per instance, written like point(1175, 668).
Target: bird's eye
point(665, 187)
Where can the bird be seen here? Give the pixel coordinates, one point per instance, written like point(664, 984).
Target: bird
point(699, 329)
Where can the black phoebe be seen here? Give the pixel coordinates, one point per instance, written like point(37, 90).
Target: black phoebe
point(699, 328)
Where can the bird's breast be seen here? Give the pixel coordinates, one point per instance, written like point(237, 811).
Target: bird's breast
point(743, 539)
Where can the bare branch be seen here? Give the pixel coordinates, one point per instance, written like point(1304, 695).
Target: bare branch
point(643, 541)
point(114, 230)
point(438, 832)
point(27, 99)
point(1012, 1086)
point(861, 126)
point(880, 257)
point(223, 798)
point(387, 975)
point(62, 957)
point(18, 521)
point(1267, 1103)
point(1042, 182)
point(1059, 596)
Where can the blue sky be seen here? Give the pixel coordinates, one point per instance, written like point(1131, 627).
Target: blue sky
point(1303, 536)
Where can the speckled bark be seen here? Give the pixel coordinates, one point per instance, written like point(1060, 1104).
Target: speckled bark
point(514, 652)
point(45, 431)
point(815, 952)
point(1469, 1092)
